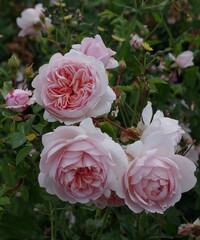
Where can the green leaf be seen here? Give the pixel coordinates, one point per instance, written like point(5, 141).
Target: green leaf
point(25, 127)
point(17, 139)
point(107, 14)
point(4, 201)
point(157, 18)
point(158, 81)
point(25, 193)
point(127, 88)
point(23, 153)
point(109, 129)
point(3, 191)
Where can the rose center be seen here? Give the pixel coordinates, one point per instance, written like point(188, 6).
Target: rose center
point(70, 87)
point(85, 176)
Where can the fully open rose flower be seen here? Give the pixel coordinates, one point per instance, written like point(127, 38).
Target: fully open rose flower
point(156, 177)
point(18, 100)
point(73, 87)
point(95, 47)
point(80, 163)
point(33, 21)
point(183, 60)
point(158, 121)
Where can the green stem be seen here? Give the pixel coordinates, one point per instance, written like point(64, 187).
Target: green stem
point(52, 221)
point(138, 227)
point(171, 38)
point(154, 29)
point(136, 106)
point(126, 117)
point(160, 226)
point(105, 217)
point(135, 4)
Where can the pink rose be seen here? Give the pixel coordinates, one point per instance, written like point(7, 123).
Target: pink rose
point(33, 21)
point(158, 121)
point(183, 60)
point(80, 163)
point(136, 41)
point(73, 87)
point(95, 47)
point(156, 177)
point(18, 100)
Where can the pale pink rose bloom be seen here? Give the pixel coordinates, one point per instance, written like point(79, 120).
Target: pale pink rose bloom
point(156, 177)
point(33, 21)
point(80, 163)
point(158, 121)
point(18, 100)
point(136, 41)
point(95, 47)
point(73, 87)
point(183, 60)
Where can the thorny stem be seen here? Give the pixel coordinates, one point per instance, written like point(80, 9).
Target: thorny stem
point(119, 75)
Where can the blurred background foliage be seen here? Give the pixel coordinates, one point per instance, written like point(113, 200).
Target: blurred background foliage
point(26, 211)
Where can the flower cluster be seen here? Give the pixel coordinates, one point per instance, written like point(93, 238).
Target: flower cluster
point(81, 164)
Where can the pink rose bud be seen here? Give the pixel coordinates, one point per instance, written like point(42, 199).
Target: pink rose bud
point(18, 100)
point(136, 41)
point(95, 47)
point(33, 21)
point(183, 60)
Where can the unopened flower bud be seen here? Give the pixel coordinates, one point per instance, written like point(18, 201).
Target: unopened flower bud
point(13, 61)
point(74, 24)
point(122, 64)
point(28, 71)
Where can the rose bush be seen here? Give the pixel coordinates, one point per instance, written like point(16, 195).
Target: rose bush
point(18, 100)
point(95, 47)
point(80, 163)
point(112, 167)
point(156, 177)
point(73, 87)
